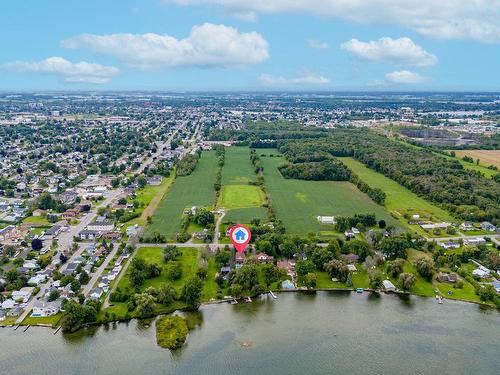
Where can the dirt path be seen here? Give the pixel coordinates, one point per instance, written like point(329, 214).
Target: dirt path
point(153, 205)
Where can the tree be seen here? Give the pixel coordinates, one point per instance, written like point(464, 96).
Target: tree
point(310, 280)
point(395, 247)
point(288, 249)
point(381, 224)
point(145, 305)
point(191, 293)
point(425, 268)
point(142, 182)
point(84, 278)
point(174, 271)
point(166, 294)
point(407, 280)
point(334, 247)
point(487, 293)
point(235, 290)
point(53, 295)
point(36, 244)
point(320, 256)
point(271, 273)
point(303, 267)
point(395, 267)
point(375, 279)
point(337, 268)
point(204, 217)
point(358, 247)
point(171, 253)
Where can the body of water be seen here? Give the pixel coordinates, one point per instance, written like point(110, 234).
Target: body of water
point(325, 333)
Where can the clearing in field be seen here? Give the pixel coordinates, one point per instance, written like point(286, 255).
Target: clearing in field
point(241, 196)
point(197, 189)
point(486, 157)
point(242, 201)
point(188, 260)
point(298, 203)
point(398, 199)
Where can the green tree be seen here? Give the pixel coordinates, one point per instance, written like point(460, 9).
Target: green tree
point(191, 293)
point(407, 280)
point(166, 294)
point(425, 268)
point(375, 279)
point(310, 280)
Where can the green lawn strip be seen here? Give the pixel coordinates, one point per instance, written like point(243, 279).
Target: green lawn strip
point(299, 202)
point(197, 189)
point(210, 288)
point(49, 320)
point(37, 220)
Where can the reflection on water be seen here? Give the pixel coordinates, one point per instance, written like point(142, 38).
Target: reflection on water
point(320, 333)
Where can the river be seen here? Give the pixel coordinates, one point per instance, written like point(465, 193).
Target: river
point(325, 333)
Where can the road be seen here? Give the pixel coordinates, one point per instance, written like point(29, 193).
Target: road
point(97, 274)
point(217, 226)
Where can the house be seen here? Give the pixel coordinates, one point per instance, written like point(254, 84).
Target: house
point(52, 231)
point(264, 258)
point(482, 272)
point(101, 226)
point(239, 258)
point(474, 241)
point(485, 225)
point(447, 277)
point(2, 316)
point(350, 258)
point(8, 304)
point(112, 236)
point(7, 232)
point(89, 234)
point(16, 311)
point(352, 268)
point(70, 269)
point(287, 284)
point(43, 309)
point(326, 219)
point(388, 286)
point(467, 226)
point(225, 270)
point(23, 295)
point(349, 234)
point(96, 294)
point(450, 245)
point(154, 181)
point(37, 279)
point(496, 285)
point(134, 230)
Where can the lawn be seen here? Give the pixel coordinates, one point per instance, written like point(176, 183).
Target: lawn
point(210, 288)
point(399, 200)
point(241, 196)
point(189, 261)
point(197, 189)
point(37, 220)
point(49, 320)
point(298, 203)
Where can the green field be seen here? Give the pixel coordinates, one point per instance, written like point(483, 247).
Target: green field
point(241, 196)
point(245, 215)
point(189, 261)
point(197, 189)
point(299, 202)
point(237, 166)
point(243, 202)
point(399, 200)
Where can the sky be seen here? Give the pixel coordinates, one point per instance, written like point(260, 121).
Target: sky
point(250, 45)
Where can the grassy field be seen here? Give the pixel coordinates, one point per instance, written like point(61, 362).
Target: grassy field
point(486, 157)
point(399, 200)
point(37, 220)
point(241, 196)
point(197, 189)
point(189, 261)
point(237, 166)
point(243, 202)
point(245, 215)
point(299, 202)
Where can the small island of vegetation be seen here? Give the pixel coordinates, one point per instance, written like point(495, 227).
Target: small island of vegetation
point(171, 332)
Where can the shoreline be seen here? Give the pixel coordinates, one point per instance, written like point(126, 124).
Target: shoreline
point(296, 290)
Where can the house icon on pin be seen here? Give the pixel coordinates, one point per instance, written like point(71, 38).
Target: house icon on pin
point(240, 235)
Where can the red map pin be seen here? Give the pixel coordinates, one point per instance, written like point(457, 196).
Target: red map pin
point(240, 237)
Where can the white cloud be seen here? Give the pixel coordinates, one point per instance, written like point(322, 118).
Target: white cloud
point(307, 78)
point(403, 77)
point(400, 51)
point(317, 44)
point(207, 45)
point(81, 72)
point(441, 19)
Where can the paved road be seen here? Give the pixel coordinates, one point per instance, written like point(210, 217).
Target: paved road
point(97, 274)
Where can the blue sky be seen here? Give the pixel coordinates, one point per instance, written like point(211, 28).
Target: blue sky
point(250, 45)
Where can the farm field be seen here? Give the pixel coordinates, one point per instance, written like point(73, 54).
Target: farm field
point(398, 199)
point(242, 201)
point(197, 189)
point(299, 202)
point(486, 157)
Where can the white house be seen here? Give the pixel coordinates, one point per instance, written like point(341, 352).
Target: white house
point(8, 304)
point(474, 241)
point(466, 226)
point(482, 272)
point(42, 308)
point(101, 226)
point(326, 219)
point(22, 295)
point(37, 279)
point(450, 245)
